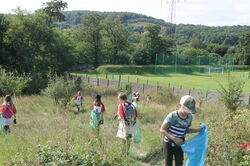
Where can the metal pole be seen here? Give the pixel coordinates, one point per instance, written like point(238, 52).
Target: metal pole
point(175, 63)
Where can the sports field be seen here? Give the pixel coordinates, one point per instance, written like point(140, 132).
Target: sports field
point(185, 79)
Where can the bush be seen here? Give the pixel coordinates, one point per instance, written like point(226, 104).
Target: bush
point(10, 83)
point(38, 82)
point(125, 89)
point(61, 89)
point(231, 95)
point(165, 96)
point(224, 148)
point(245, 159)
point(54, 155)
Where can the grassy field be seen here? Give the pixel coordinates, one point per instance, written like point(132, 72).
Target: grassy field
point(188, 80)
point(41, 122)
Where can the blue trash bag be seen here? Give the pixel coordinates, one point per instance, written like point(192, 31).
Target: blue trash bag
point(137, 136)
point(94, 120)
point(196, 148)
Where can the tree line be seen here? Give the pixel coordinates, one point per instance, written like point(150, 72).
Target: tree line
point(46, 41)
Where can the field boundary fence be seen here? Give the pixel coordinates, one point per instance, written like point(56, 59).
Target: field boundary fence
point(207, 96)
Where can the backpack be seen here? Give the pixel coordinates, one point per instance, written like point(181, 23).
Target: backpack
point(129, 114)
point(7, 111)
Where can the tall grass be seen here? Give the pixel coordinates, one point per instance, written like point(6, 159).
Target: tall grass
point(41, 122)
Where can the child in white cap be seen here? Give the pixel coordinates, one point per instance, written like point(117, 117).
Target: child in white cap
point(174, 128)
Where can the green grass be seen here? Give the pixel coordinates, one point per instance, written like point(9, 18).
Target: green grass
point(41, 122)
point(189, 80)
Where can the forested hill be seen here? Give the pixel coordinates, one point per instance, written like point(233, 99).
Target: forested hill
point(227, 35)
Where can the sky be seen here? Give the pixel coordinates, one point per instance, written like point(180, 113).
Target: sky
point(204, 12)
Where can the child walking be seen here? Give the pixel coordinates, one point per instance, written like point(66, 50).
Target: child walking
point(99, 109)
point(174, 128)
point(8, 111)
point(78, 100)
point(127, 115)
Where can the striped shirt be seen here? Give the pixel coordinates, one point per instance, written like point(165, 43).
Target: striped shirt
point(177, 125)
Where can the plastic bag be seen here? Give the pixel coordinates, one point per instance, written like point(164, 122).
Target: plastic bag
point(1, 126)
point(137, 136)
point(196, 148)
point(134, 103)
point(94, 121)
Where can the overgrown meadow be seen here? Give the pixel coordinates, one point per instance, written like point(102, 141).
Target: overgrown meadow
point(50, 134)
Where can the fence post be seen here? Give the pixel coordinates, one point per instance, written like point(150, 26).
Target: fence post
point(249, 99)
point(107, 83)
point(206, 96)
point(137, 80)
point(119, 81)
point(106, 76)
point(88, 80)
point(128, 79)
point(189, 91)
point(157, 87)
point(173, 90)
point(143, 88)
point(97, 82)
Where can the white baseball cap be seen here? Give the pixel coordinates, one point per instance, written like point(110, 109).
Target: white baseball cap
point(189, 102)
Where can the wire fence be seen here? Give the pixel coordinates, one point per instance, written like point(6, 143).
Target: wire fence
point(201, 64)
point(145, 88)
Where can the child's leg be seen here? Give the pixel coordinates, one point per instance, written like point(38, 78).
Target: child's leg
point(128, 142)
point(178, 156)
point(78, 107)
point(98, 129)
point(126, 145)
point(168, 153)
point(7, 129)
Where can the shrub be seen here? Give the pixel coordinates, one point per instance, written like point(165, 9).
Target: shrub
point(10, 83)
point(38, 82)
point(165, 96)
point(126, 89)
point(245, 159)
point(54, 155)
point(231, 95)
point(61, 89)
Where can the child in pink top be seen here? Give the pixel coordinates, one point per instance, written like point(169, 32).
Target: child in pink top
point(78, 100)
point(8, 111)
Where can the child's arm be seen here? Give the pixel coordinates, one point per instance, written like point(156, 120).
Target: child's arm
point(194, 130)
point(120, 112)
point(163, 130)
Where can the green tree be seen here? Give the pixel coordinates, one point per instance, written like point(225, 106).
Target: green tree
point(35, 46)
point(220, 49)
point(194, 52)
point(243, 55)
point(4, 47)
point(197, 43)
point(153, 44)
point(53, 10)
point(90, 35)
point(115, 41)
